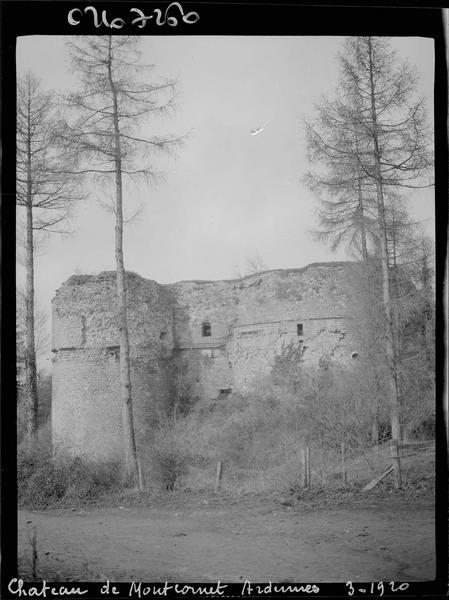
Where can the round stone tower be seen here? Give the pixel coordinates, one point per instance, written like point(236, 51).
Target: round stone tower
point(86, 411)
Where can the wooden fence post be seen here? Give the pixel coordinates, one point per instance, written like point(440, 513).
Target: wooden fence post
point(304, 466)
point(396, 463)
point(308, 466)
point(323, 479)
point(139, 473)
point(32, 537)
point(343, 463)
point(218, 475)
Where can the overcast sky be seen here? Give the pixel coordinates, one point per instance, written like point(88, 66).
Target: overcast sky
point(227, 195)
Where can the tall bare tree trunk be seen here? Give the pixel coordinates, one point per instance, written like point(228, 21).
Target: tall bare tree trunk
point(125, 365)
point(30, 345)
point(360, 209)
point(389, 327)
point(362, 223)
point(395, 282)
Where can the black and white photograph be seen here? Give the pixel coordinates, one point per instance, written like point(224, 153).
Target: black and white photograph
point(225, 307)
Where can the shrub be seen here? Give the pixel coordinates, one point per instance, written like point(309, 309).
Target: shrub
point(165, 460)
point(44, 407)
point(46, 478)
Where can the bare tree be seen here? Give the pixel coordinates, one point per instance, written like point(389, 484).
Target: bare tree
point(42, 344)
point(46, 193)
point(108, 136)
point(345, 193)
point(381, 129)
point(254, 265)
point(41, 323)
point(398, 153)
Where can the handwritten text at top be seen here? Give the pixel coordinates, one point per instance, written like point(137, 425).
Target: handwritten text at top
point(172, 16)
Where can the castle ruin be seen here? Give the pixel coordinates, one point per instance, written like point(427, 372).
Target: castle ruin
point(227, 334)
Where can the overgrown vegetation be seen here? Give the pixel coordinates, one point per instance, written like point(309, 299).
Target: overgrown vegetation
point(47, 477)
point(43, 412)
point(259, 437)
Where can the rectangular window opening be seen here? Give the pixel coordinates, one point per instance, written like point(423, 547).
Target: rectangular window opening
point(300, 329)
point(113, 352)
point(206, 330)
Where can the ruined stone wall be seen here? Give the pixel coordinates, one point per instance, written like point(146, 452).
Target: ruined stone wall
point(196, 304)
point(86, 372)
point(304, 307)
point(254, 318)
point(86, 403)
point(227, 332)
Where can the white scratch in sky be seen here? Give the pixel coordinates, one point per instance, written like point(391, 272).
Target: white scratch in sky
point(259, 129)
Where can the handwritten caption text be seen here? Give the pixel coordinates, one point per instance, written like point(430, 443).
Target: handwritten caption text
point(172, 16)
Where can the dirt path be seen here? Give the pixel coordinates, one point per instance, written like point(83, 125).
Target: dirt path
point(260, 541)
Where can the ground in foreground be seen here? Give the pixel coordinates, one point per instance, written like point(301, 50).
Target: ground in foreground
point(197, 538)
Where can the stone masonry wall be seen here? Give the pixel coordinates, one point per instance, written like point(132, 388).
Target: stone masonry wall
point(228, 332)
point(252, 319)
point(86, 375)
point(86, 403)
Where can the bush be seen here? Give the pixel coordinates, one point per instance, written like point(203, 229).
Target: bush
point(44, 407)
point(46, 478)
point(165, 459)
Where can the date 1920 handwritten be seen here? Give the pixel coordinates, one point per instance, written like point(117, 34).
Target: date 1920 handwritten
point(379, 589)
point(75, 15)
